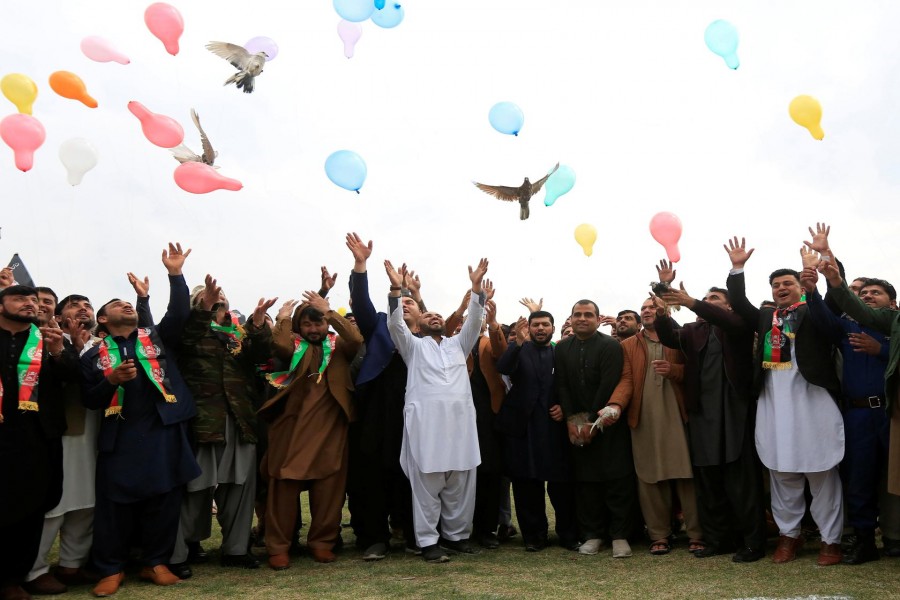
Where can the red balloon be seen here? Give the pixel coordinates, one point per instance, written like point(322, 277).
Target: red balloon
point(200, 178)
point(165, 22)
point(159, 129)
point(665, 228)
point(24, 134)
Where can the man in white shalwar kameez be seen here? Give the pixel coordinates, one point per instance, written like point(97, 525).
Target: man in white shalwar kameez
point(440, 451)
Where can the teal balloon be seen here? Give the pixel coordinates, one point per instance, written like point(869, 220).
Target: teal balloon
point(558, 184)
point(346, 169)
point(506, 118)
point(390, 16)
point(354, 10)
point(722, 38)
point(379, 4)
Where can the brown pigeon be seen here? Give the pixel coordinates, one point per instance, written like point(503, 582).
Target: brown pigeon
point(184, 154)
point(522, 194)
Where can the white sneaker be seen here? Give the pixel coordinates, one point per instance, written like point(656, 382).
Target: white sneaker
point(621, 549)
point(590, 547)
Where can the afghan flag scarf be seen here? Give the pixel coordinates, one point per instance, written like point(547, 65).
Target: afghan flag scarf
point(777, 343)
point(233, 332)
point(148, 357)
point(28, 369)
point(282, 379)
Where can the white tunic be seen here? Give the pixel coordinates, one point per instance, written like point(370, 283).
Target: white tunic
point(799, 428)
point(439, 416)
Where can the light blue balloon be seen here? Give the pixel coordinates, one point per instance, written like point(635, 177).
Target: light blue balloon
point(558, 184)
point(506, 118)
point(390, 16)
point(722, 38)
point(354, 10)
point(379, 4)
point(346, 169)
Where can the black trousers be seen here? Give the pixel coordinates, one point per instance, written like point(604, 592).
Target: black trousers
point(19, 544)
point(154, 521)
point(531, 510)
point(730, 502)
point(487, 501)
point(607, 508)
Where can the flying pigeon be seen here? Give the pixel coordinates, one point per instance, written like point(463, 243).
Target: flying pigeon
point(522, 194)
point(248, 65)
point(184, 154)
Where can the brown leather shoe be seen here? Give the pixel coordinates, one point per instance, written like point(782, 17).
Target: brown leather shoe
point(787, 548)
point(45, 585)
point(279, 562)
point(13, 592)
point(109, 585)
point(322, 556)
point(160, 575)
point(829, 554)
point(72, 577)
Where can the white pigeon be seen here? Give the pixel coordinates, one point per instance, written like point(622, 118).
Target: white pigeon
point(184, 154)
point(248, 65)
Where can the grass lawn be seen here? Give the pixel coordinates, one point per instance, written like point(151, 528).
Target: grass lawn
point(510, 572)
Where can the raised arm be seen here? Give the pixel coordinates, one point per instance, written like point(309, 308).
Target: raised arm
point(471, 329)
point(879, 319)
point(360, 300)
point(179, 308)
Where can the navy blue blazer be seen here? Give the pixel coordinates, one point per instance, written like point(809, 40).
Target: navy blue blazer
point(373, 326)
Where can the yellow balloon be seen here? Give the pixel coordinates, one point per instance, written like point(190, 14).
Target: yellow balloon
point(20, 90)
point(586, 235)
point(807, 112)
point(342, 311)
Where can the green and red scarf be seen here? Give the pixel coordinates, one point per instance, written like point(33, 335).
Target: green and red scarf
point(777, 343)
point(282, 379)
point(148, 358)
point(28, 369)
point(234, 332)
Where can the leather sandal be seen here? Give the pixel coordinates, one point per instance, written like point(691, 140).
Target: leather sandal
point(660, 547)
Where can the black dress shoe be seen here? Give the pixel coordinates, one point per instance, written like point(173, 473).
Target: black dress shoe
point(243, 561)
point(713, 550)
point(506, 533)
point(489, 541)
point(862, 551)
point(748, 555)
point(891, 547)
point(196, 554)
point(460, 546)
point(181, 570)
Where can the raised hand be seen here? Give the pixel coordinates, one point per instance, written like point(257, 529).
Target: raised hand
point(173, 260)
point(286, 310)
point(477, 274)
point(665, 271)
point(522, 334)
point(828, 267)
point(259, 313)
point(53, 337)
point(361, 251)
point(607, 320)
point(488, 286)
point(465, 302)
point(660, 305)
point(808, 279)
point(328, 280)
point(141, 287)
point(78, 332)
point(211, 293)
point(490, 312)
point(738, 252)
point(414, 284)
point(531, 305)
point(809, 258)
point(6, 278)
point(678, 297)
point(819, 241)
point(393, 276)
point(316, 301)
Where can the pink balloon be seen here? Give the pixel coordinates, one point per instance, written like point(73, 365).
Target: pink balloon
point(98, 49)
point(159, 129)
point(165, 22)
point(349, 34)
point(200, 178)
point(666, 229)
point(24, 134)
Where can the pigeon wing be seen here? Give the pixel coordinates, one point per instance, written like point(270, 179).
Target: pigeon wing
point(184, 154)
point(537, 185)
point(503, 192)
point(209, 155)
point(236, 55)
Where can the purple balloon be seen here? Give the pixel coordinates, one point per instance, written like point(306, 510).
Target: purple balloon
point(263, 44)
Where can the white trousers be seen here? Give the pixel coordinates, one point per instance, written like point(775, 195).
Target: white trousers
point(789, 503)
point(76, 532)
point(448, 497)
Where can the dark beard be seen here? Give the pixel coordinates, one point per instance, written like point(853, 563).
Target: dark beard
point(20, 319)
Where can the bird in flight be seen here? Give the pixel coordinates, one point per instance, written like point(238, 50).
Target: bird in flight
point(184, 154)
point(521, 194)
point(248, 65)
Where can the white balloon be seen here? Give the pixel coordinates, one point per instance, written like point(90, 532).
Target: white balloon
point(78, 156)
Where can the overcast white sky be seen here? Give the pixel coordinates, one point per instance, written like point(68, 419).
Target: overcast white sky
point(625, 93)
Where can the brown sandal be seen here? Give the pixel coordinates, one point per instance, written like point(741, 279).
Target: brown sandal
point(696, 546)
point(660, 547)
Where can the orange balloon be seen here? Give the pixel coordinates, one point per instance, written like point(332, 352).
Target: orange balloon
point(69, 85)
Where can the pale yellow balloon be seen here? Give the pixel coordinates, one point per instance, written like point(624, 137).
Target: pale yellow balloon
point(342, 311)
point(20, 90)
point(586, 235)
point(807, 112)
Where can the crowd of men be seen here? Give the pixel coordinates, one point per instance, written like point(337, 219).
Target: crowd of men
point(122, 436)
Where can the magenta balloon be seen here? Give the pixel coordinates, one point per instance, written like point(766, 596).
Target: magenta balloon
point(200, 178)
point(165, 22)
point(161, 130)
point(24, 134)
point(263, 44)
point(665, 228)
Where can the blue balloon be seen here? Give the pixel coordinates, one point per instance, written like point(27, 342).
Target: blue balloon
point(390, 16)
point(354, 10)
point(346, 169)
point(379, 4)
point(558, 184)
point(506, 118)
point(722, 38)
